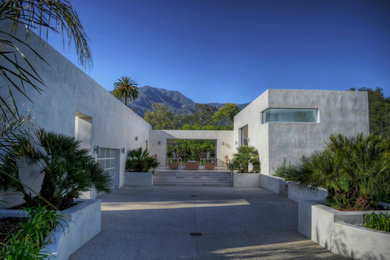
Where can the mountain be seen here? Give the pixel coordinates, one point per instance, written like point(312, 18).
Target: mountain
point(177, 102)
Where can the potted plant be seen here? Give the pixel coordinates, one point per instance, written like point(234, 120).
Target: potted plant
point(66, 171)
point(209, 164)
point(192, 165)
point(138, 166)
point(355, 172)
point(246, 156)
point(173, 163)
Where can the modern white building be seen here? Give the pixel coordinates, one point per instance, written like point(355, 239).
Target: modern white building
point(281, 124)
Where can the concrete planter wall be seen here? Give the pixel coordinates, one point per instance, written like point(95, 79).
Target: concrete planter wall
point(272, 183)
point(341, 233)
point(297, 194)
point(83, 223)
point(139, 179)
point(246, 180)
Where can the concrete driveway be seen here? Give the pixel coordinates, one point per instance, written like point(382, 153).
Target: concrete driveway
point(225, 222)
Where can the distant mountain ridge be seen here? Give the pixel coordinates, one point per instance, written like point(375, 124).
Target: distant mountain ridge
point(177, 102)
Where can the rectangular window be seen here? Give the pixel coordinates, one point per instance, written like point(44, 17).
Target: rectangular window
point(290, 115)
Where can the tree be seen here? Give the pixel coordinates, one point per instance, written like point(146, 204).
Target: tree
point(44, 16)
point(203, 114)
point(161, 117)
point(125, 88)
point(354, 170)
point(225, 115)
point(18, 74)
point(379, 111)
point(245, 156)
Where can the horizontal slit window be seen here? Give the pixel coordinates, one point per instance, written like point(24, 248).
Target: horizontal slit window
point(290, 115)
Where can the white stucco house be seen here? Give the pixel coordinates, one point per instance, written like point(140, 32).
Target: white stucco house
point(281, 124)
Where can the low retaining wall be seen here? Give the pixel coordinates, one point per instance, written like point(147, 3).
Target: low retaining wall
point(246, 180)
point(83, 223)
point(297, 193)
point(138, 179)
point(340, 232)
point(272, 183)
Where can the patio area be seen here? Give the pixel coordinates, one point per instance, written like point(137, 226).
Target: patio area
point(199, 223)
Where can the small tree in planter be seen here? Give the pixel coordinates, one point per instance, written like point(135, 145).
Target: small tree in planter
point(138, 165)
point(173, 163)
point(67, 169)
point(209, 164)
point(245, 156)
point(354, 170)
point(140, 161)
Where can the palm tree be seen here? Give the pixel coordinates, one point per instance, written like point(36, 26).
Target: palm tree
point(125, 88)
point(43, 16)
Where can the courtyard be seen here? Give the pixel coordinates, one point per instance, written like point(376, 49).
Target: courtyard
point(225, 222)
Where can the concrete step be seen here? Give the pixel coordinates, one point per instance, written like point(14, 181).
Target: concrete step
point(192, 178)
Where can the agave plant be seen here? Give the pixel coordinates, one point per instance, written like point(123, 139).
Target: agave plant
point(140, 161)
point(245, 156)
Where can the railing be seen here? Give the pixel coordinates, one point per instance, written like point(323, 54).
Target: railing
point(231, 170)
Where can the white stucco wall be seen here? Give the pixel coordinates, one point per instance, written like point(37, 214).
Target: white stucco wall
point(257, 133)
point(341, 112)
point(158, 143)
point(69, 90)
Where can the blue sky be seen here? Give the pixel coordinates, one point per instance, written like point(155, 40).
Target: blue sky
point(232, 51)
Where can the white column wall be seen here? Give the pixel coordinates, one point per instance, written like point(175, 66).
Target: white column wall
point(257, 133)
point(69, 90)
point(224, 145)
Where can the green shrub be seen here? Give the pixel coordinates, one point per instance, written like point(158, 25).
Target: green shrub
point(379, 221)
point(140, 161)
point(288, 172)
point(245, 156)
point(33, 235)
point(68, 170)
point(354, 171)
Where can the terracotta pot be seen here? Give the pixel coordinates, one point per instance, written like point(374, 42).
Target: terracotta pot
point(209, 166)
point(173, 165)
point(193, 166)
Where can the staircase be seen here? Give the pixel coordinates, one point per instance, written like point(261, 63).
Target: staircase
point(192, 178)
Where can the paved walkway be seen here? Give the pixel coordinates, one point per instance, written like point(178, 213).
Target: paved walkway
point(156, 222)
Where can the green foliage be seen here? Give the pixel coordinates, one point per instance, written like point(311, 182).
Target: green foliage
point(33, 235)
point(191, 149)
point(379, 221)
point(353, 170)
point(225, 115)
point(140, 161)
point(205, 117)
point(161, 117)
point(125, 88)
point(205, 127)
point(379, 109)
point(245, 156)
point(16, 71)
point(203, 114)
point(67, 169)
point(15, 137)
point(288, 172)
